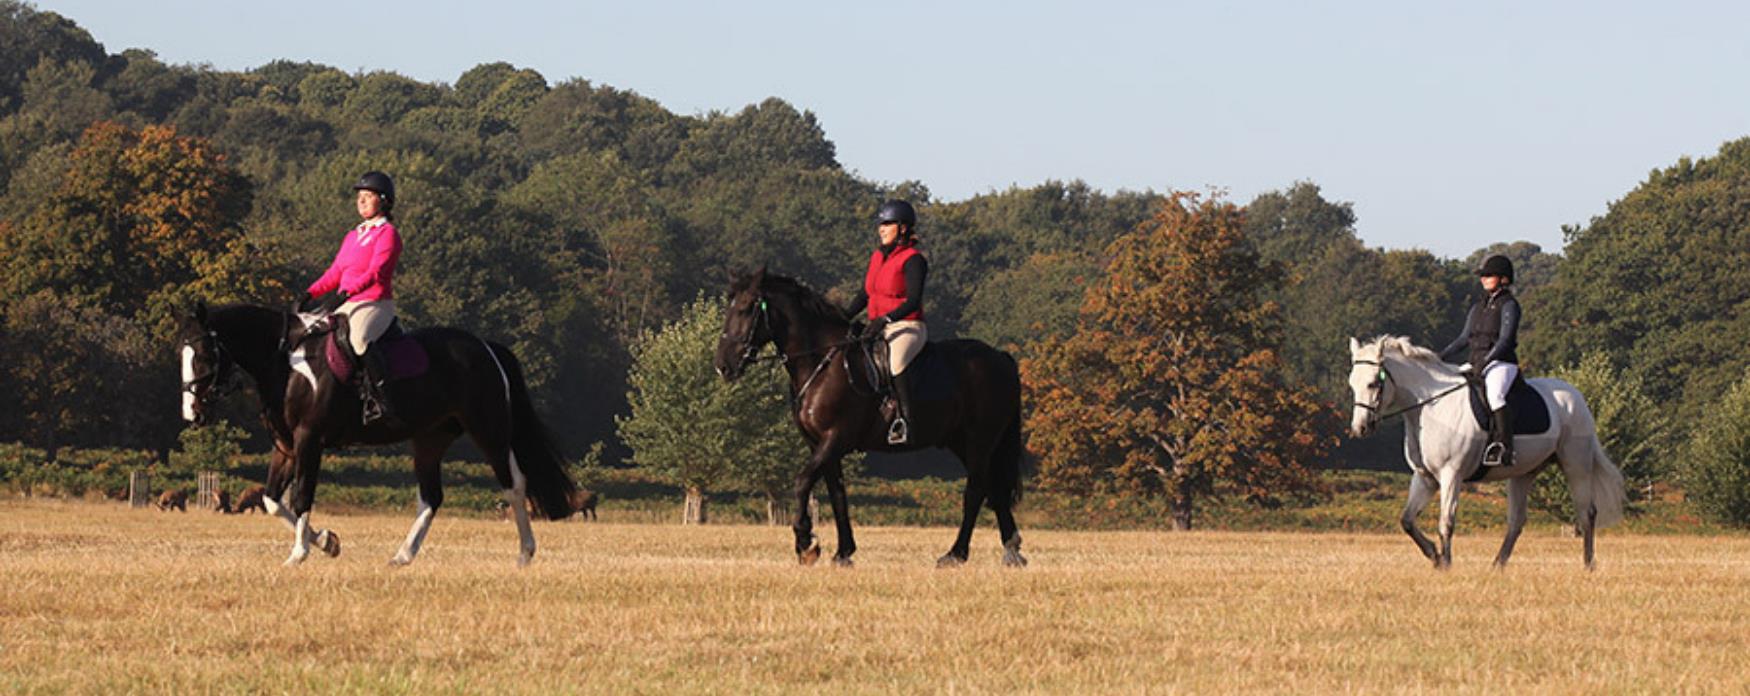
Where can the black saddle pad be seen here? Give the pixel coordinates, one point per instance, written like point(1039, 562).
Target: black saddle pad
point(932, 374)
point(1530, 415)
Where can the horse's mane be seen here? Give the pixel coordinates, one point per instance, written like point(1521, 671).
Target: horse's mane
point(811, 301)
point(1402, 345)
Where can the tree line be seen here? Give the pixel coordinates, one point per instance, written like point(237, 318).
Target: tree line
point(577, 221)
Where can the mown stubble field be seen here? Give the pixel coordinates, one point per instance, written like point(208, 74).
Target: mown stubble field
point(99, 598)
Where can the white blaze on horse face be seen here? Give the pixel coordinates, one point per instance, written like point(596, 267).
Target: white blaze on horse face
point(187, 377)
point(1366, 388)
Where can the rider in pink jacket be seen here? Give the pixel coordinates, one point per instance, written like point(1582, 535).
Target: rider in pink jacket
point(364, 273)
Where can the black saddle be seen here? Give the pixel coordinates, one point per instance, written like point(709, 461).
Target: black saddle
point(1530, 415)
point(931, 372)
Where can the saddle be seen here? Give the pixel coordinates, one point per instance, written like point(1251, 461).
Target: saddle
point(931, 373)
point(1530, 415)
point(404, 354)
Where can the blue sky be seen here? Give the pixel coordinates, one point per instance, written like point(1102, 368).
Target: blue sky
point(1448, 125)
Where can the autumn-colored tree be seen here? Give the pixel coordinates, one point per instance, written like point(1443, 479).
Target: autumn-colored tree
point(1171, 383)
point(139, 220)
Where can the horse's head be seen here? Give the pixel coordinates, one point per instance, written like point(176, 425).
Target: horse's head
point(747, 325)
point(206, 367)
point(1370, 384)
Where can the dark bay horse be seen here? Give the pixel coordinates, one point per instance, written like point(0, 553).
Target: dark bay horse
point(838, 413)
point(469, 386)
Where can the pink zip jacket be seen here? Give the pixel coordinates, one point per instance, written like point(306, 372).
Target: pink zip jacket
point(365, 267)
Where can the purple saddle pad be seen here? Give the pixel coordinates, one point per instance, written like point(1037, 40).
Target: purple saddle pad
point(407, 358)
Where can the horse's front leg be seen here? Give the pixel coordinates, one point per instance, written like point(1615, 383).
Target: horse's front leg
point(281, 475)
point(307, 454)
point(807, 547)
point(1449, 486)
point(841, 511)
point(1422, 488)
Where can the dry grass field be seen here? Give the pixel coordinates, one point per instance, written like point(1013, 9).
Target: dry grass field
point(99, 598)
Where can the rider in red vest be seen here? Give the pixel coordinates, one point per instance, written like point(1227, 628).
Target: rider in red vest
point(893, 294)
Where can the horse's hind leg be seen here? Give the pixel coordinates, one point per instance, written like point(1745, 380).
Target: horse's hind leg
point(1588, 526)
point(428, 452)
point(1518, 497)
point(1422, 489)
point(498, 454)
point(1011, 536)
point(971, 502)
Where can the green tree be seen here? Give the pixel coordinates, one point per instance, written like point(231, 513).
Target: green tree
point(1656, 283)
point(1715, 468)
point(1171, 383)
point(699, 431)
point(1634, 430)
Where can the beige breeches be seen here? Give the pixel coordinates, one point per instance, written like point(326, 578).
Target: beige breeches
point(368, 320)
point(905, 339)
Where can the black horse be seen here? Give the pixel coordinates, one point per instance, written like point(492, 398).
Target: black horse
point(838, 411)
point(469, 385)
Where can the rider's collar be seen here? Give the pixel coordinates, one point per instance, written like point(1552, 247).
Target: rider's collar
point(372, 223)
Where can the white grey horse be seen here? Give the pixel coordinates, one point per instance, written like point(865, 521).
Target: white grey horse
point(1444, 444)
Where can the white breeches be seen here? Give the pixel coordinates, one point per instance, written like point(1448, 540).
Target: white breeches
point(1497, 378)
point(905, 339)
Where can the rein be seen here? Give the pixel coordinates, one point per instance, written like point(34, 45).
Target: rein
point(1385, 375)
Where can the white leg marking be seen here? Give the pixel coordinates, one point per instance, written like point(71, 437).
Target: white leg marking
point(517, 498)
point(416, 535)
point(187, 376)
point(300, 540)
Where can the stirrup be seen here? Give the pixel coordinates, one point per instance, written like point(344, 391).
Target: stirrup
point(896, 433)
point(1495, 454)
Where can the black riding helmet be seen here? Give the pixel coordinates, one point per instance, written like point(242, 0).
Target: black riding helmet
point(380, 184)
point(1497, 265)
point(897, 211)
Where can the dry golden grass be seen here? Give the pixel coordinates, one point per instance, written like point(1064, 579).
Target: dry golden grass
point(98, 598)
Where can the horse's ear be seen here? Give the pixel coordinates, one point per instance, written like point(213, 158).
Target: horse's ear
point(199, 313)
point(1354, 346)
point(759, 276)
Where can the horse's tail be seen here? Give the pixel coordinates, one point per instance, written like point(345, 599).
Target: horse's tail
point(537, 454)
point(1607, 487)
point(1005, 462)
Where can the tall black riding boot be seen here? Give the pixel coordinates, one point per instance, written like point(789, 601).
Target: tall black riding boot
point(898, 433)
point(1500, 450)
point(373, 387)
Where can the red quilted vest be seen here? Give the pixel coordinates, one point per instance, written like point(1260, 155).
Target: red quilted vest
point(885, 282)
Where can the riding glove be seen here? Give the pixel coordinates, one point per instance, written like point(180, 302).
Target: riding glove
point(874, 329)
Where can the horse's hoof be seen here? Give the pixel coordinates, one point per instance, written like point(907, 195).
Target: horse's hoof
point(950, 561)
point(295, 559)
point(809, 557)
point(330, 543)
point(399, 561)
point(842, 561)
point(1014, 559)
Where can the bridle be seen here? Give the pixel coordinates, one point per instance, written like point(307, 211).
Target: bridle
point(1379, 393)
point(215, 381)
point(750, 348)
